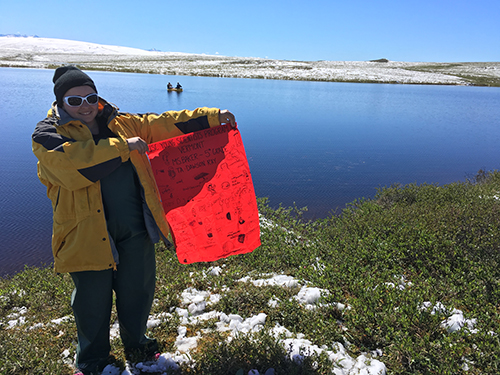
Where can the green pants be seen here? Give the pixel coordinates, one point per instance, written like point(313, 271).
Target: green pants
point(134, 284)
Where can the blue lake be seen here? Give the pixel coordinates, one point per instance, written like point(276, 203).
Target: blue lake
point(313, 144)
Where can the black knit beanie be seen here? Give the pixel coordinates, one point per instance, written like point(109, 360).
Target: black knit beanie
point(67, 77)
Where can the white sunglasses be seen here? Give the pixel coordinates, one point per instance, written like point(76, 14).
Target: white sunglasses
point(77, 101)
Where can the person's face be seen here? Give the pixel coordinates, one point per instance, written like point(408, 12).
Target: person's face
point(86, 112)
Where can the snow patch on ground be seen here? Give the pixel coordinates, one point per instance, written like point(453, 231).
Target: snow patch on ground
point(196, 306)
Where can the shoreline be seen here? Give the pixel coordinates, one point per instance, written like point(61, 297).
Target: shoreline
point(45, 53)
point(448, 74)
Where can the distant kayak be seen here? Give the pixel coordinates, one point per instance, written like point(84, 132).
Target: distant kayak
point(174, 89)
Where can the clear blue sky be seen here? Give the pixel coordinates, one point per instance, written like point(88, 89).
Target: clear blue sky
point(349, 30)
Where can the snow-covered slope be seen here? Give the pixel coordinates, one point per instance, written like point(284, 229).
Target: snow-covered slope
point(49, 45)
point(35, 52)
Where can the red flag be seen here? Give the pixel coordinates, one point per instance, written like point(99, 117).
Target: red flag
point(207, 194)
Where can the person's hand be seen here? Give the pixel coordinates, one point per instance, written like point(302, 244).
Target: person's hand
point(137, 143)
point(226, 117)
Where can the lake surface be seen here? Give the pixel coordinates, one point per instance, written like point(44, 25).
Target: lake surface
point(315, 144)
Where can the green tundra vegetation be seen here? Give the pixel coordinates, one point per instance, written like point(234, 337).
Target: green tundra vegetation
point(390, 261)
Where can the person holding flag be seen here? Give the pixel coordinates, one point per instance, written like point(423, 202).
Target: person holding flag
point(107, 215)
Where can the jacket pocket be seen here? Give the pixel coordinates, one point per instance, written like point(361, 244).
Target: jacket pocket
point(72, 205)
point(61, 232)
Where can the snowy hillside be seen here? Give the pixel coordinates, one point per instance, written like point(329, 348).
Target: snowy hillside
point(35, 52)
point(47, 45)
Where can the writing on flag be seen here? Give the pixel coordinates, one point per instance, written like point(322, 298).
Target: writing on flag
point(207, 194)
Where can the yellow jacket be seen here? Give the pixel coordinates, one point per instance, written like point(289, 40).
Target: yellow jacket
point(70, 164)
